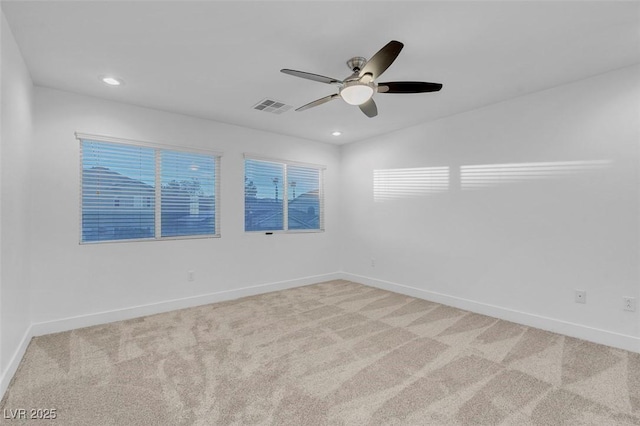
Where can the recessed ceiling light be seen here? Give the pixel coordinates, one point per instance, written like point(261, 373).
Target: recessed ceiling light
point(336, 133)
point(111, 81)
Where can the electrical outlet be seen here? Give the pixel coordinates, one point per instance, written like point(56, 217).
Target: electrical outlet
point(191, 276)
point(581, 296)
point(629, 303)
point(373, 262)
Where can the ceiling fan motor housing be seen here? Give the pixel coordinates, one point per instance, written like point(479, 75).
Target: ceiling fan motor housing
point(356, 63)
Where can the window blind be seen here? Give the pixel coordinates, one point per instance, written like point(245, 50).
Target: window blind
point(282, 196)
point(305, 200)
point(188, 194)
point(118, 192)
point(263, 195)
point(131, 192)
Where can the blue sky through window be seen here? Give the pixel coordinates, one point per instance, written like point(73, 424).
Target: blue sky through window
point(263, 173)
point(132, 161)
point(184, 166)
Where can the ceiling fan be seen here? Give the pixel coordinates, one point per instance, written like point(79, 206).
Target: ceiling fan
point(359, 88)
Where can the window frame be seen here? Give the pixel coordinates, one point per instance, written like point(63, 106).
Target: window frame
point(158, 148)
point(285, 196)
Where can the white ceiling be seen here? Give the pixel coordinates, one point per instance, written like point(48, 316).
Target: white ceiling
point(217, 59)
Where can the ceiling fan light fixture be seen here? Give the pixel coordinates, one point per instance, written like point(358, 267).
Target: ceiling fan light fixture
point(356, 93)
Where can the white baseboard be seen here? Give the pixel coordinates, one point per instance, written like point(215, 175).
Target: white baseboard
point(14, 362)
point(80, 321)
point(604, 337)
point(609, 338)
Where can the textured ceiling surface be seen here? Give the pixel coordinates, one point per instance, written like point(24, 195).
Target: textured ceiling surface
point(218, 59)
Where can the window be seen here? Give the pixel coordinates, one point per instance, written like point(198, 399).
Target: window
point(282, 196)
point(132, 192)
point(188, 189)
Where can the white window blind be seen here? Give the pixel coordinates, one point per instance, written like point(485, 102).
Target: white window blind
point(282, 196)
point(304, 198)
point(188, 194)
point(131, 192)
point(263, 196)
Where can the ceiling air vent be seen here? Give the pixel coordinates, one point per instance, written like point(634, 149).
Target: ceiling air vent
point(272, 106)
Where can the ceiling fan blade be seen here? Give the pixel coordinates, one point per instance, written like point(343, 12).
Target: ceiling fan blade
point(318, 102)
point(382, 59)
point(369, 108)
point(314, 77)
point(408, 87)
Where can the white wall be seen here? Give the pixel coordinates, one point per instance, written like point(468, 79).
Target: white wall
point(71, 280)
point(15, 152)
point(519, 247)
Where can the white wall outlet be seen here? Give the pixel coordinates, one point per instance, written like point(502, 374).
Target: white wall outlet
point(373, 262)
point(629, 303)
point(191, 276)
point(581, 296)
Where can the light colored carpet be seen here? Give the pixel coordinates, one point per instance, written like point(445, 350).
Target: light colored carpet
point(331, 353)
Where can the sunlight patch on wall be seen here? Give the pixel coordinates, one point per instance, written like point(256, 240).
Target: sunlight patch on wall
point(491, 175)
point(393, 184)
